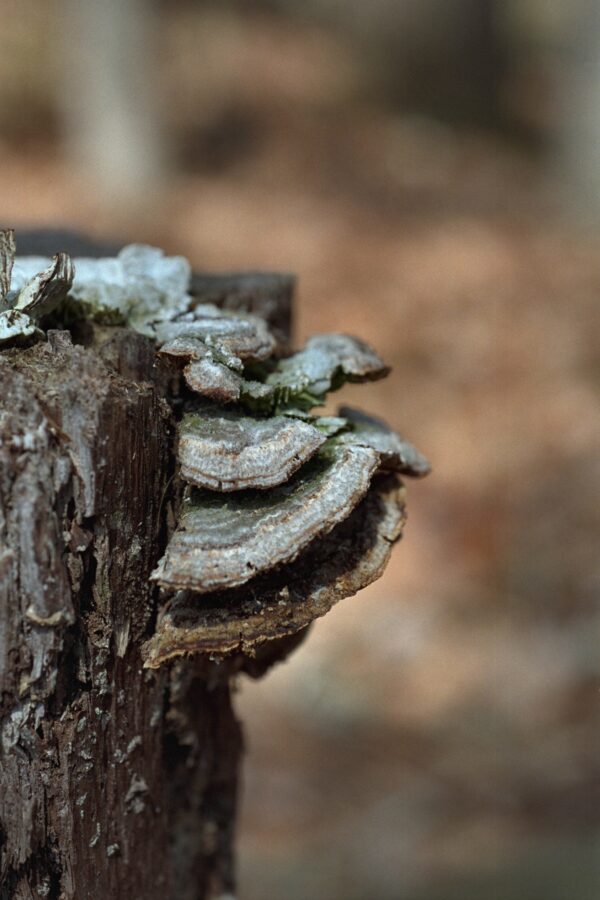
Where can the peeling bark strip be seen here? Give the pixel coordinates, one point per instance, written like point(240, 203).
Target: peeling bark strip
point(7, 258)
point(118, 773)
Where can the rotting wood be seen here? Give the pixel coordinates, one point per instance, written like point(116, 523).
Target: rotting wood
point(98, 794)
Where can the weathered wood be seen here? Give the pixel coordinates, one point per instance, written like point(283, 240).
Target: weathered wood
point(113, 781)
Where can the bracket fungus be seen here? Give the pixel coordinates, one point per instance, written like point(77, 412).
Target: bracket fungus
point(237, 338)
point(283, 512)
point(225, 542)
point(325, 364)
point(296, 383)
point(212, 368)
point(23, 303)
point(46, 289)
point(395, 453)
point(223, 451)
point(285, 601)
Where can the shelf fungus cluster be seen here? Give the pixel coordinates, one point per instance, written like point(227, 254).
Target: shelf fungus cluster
point(283, 511)
point(24, 303)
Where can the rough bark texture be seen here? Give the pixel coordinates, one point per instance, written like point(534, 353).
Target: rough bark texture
point(115, 781)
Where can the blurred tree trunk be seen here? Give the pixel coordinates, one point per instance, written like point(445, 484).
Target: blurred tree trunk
point(579, 117)
point(446, 58)
point(111, 95)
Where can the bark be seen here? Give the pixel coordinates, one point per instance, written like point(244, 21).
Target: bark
point(115, 780)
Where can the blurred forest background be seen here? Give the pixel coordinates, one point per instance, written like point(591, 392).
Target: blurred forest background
point(431, 170)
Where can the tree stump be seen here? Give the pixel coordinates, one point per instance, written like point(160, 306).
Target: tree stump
point(115, 780)
point(119, 748)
